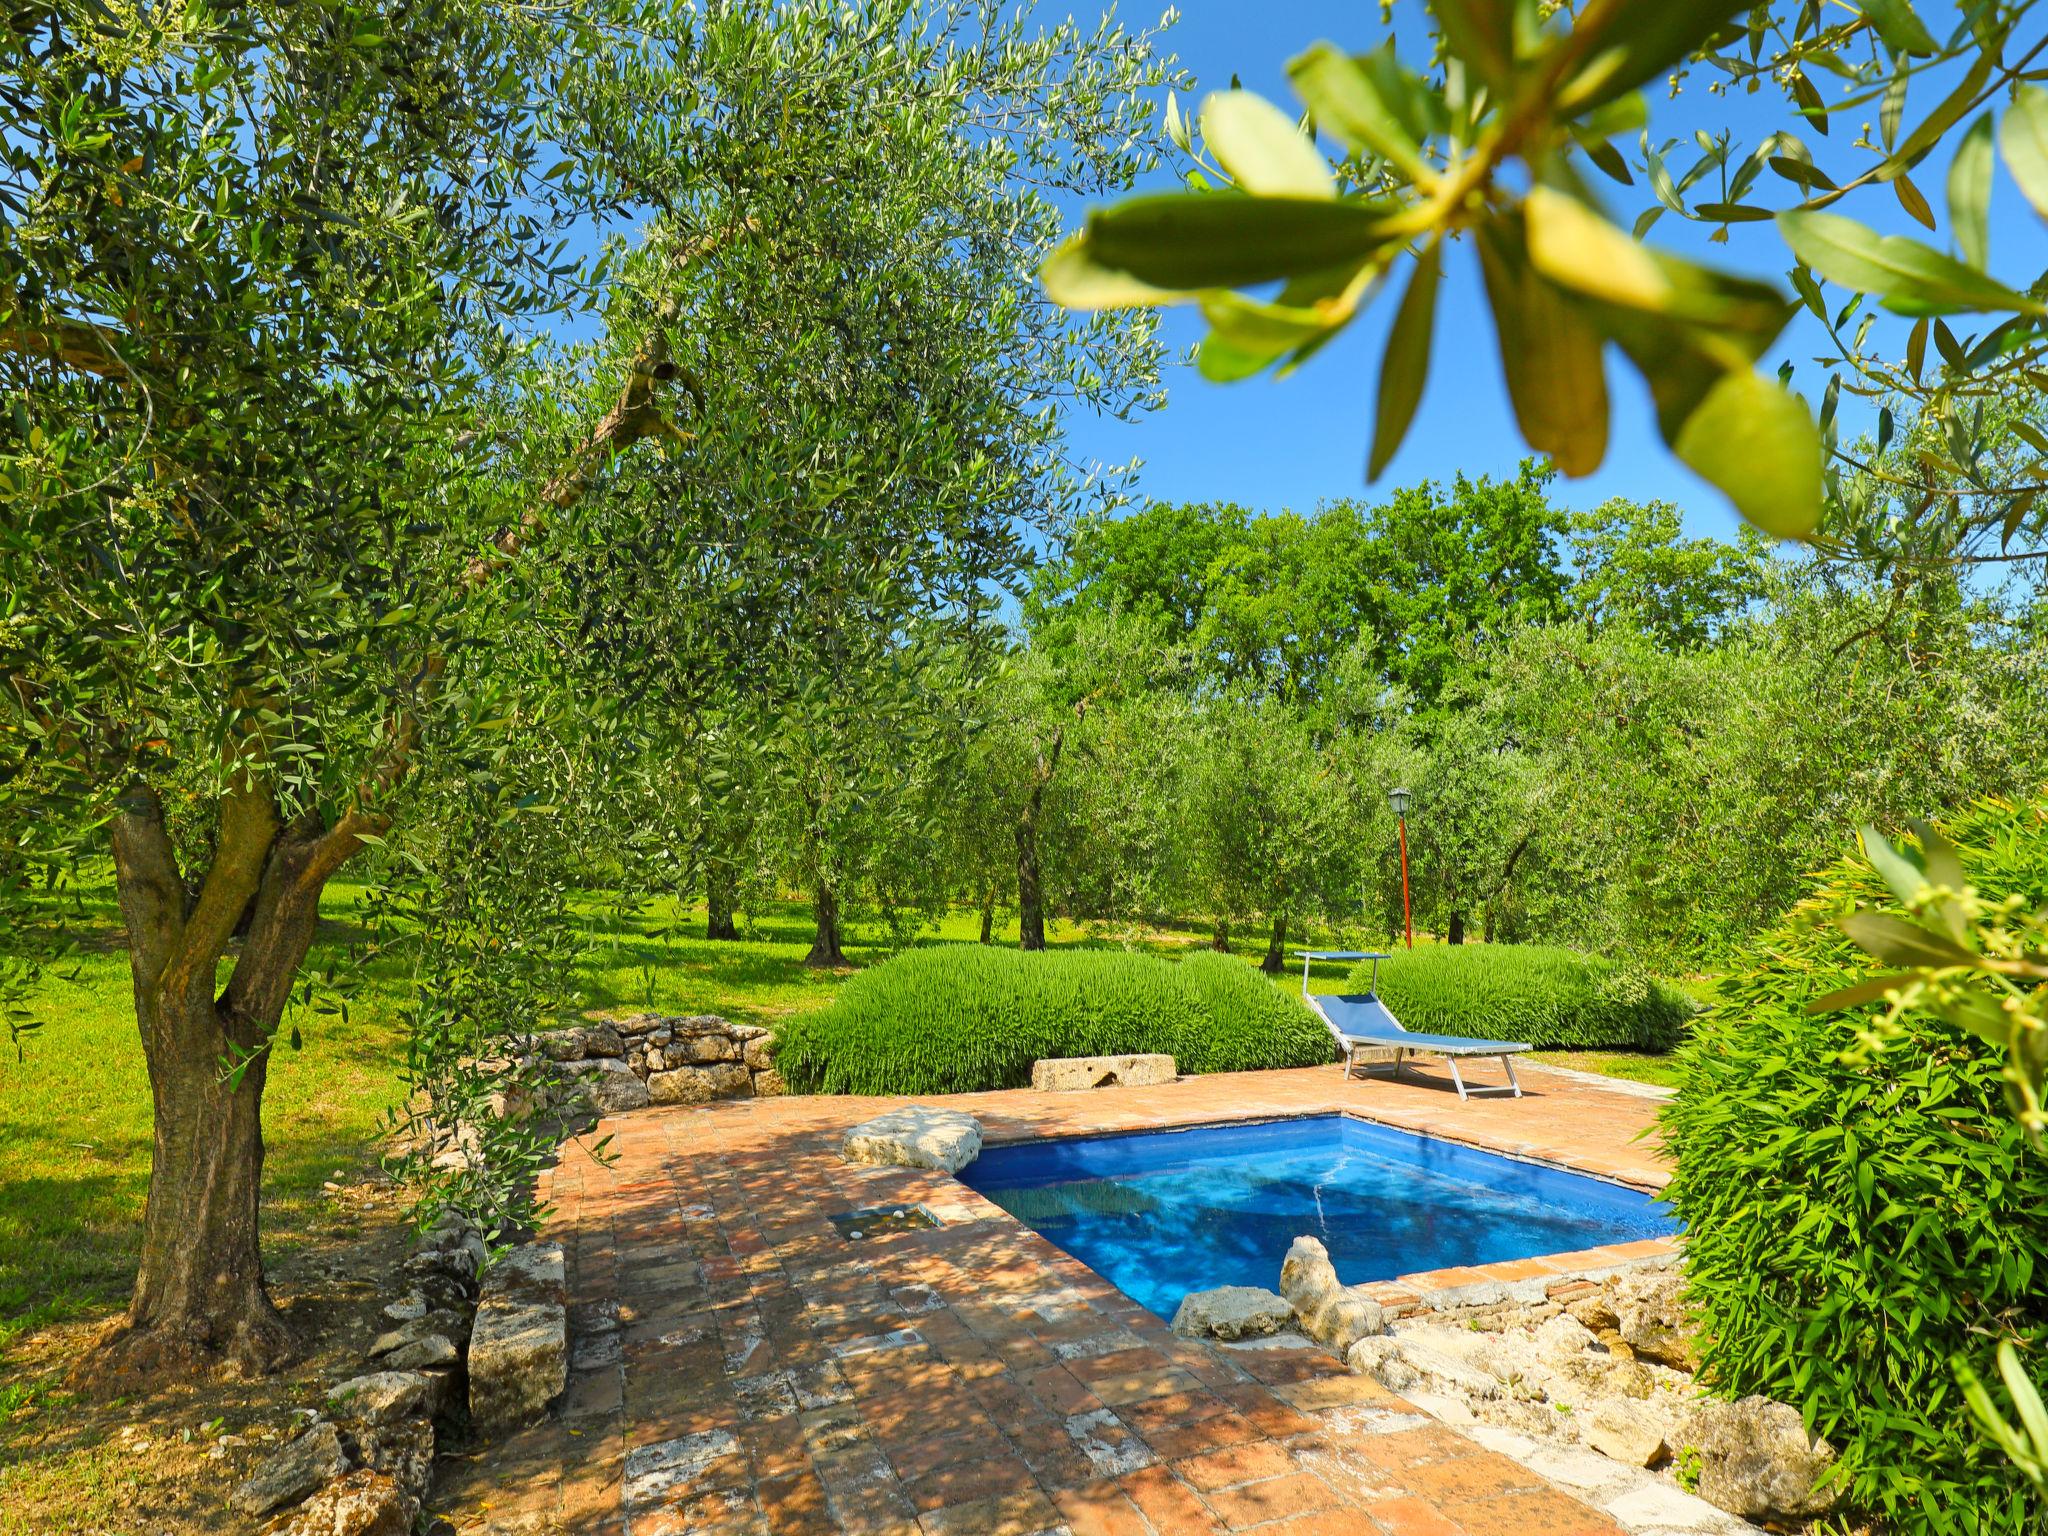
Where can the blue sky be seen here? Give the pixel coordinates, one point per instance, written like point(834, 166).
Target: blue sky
point(1291, 443)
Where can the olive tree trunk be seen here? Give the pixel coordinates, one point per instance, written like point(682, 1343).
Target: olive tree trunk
point(1220, 940)
point(199, 1296)
point(825, 951)
point(719, 899)
point(1276, 946)
point(988, 913)
point(1030, 883)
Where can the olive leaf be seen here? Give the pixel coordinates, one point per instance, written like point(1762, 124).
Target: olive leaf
point(1188, 240)
point(1550, 352)
point(1911, 278)
point(1756, 441)
point(1969, 192)
point(1346, 100)
point(2023, 140)
point(1261, 147)
point(1406, 364)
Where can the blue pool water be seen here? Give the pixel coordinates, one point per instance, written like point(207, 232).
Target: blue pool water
point(1163, 1213)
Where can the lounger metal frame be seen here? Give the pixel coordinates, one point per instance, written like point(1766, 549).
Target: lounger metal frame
point(1353, 1044)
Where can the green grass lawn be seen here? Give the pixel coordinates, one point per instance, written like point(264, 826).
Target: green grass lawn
point(74, 1111)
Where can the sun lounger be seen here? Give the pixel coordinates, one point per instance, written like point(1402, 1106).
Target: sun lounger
point(1360, 1022)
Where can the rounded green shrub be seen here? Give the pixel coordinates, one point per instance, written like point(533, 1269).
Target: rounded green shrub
point(1853, 1225)
point(964, 1018)
point(1552, 998)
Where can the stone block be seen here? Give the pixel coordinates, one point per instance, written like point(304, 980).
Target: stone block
point(1071, 1073)
point(519, 1347)
point(759, 1052)
point(1232, 1312)
point(769, 1085)
point(915, 1136)
point(701, 1084)
point(287, 1476)
point(364, 1503)
point(612, 1086)
point(380, 1397)
point(1627, 1433)
point(709, 1048)
point(1757, 1460)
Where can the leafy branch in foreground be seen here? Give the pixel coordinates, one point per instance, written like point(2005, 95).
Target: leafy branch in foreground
point(1492, 145)
point(1973, 961)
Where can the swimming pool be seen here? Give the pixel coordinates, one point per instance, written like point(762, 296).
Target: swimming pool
point(1162, 1213)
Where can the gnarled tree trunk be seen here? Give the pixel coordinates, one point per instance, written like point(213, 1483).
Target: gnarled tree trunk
point(1455, 934)
point(825, 951)
point(1276, 946)
point(1220, 941)
point(719, 894)
point(1030, 885)
point(199, 1295)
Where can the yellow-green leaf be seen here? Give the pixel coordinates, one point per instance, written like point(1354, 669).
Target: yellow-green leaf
point(1183, 240)
point(1074, 278)
point(1571, 244)
point(1756, 441)
point(1405, 367)
point(1550, 353)
point(1911, 278)
point(1260, 146)
point(1969, 192)
point(2023, 140)
point(1347, 102)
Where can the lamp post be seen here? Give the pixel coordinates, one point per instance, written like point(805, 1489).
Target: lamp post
point(1398, 799)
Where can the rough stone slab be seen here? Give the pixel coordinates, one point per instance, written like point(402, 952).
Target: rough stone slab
point(701, 1085)
point(1757, 1461)
point(915, 1136)
point(519, 1346)
point(380, 1397)
point(1626, 1433)
point(769, 1085)
point(364, 1503)
point(1068, 1074)
point(288, 1475)
point(612, 1086)
point(422, 1353)
point(1231, 1312)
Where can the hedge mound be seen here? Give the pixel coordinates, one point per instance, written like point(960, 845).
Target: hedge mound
point(1556, 999)
point(1852, 1228)
point(963, 1018)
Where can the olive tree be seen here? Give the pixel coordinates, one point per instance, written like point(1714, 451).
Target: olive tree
point(254, 266)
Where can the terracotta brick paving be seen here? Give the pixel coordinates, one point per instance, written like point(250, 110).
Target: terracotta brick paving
point(740, 1369)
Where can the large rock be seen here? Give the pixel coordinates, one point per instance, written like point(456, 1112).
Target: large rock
point(288, 1475)
point(1067, 1074)
point(1231, 1312)
point(915, 1136)
point(700, 1085)
point(381, 1397)
point(759, 1053)
point(562, 1044)
point(769, 1085)
point(1626, 1432)
point(1653, 1320)
point(1331, 1313)
point(519, 1346)
point(612, 1086)
point(364, 1503)
point(404, 1452)
point(1306, 1274)
point(1757, 1460)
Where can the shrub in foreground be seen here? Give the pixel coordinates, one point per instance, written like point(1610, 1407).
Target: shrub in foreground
point(1553, 998)
point(1854, 1225)
point(963, 1018)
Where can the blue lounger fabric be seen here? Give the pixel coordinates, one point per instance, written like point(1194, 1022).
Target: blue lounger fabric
point(1362, 1017)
